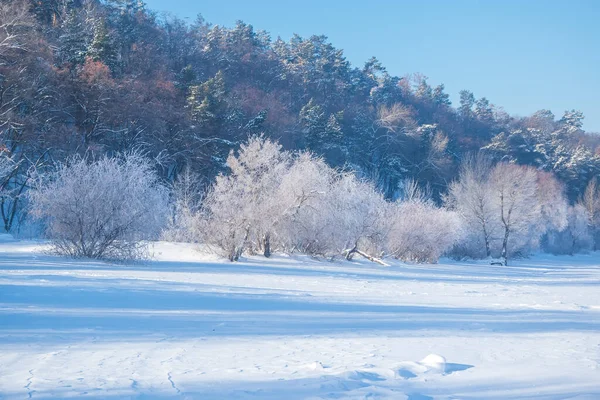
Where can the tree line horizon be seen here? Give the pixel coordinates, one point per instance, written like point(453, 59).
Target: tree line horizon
point(96, 78)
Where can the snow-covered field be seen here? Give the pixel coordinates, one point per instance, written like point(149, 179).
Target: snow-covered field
point(188, 326)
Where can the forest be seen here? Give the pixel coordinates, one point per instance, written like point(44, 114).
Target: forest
point(253, 144)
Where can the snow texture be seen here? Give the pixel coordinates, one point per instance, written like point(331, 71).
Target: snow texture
point(190, 326)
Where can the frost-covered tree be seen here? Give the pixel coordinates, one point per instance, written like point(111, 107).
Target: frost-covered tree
point(241, 208)
point(515, 197)
point(357, 210)
point(7, 165)
point(330, 213)
point(471, 196)
point(103, 208)
point(554, 207)
point(305, 225)
point(14, 177)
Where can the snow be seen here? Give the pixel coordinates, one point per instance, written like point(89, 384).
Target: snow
point(190, 326)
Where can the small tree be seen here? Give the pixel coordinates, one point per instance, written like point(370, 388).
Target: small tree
point(516, 202)
point(241, 210)
point(471, 196)
point(14, 178)
point(101, 209)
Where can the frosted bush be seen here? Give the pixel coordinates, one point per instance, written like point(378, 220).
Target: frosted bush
point(421, 232)
point(101, 209)
point(576, 237)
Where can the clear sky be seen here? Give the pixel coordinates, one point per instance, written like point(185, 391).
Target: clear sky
point(523, 55)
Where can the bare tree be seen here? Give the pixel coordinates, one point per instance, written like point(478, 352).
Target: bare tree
point(15, 24)
point(396, 118)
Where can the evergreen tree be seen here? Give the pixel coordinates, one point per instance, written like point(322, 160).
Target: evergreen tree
point(102, 47)
point(74, 41)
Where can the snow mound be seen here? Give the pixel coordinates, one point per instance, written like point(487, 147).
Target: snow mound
point(314, 366)
point(435, 363)
point(432, 364)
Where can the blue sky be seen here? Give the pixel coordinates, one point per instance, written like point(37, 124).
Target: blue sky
point(522, 55)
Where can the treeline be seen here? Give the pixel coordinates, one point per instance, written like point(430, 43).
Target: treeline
point(97, 77)
point(294, 202)
point(349, 159)
point(273, 200)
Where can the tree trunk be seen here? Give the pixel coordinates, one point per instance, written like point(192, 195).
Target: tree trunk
point(505, 246)
point(350, 253)
point(267, 246)
point(486, 238)
point(371, 258)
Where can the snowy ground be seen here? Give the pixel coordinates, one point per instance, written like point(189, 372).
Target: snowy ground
point(187, 326)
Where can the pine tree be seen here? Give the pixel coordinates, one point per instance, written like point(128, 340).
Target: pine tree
point(206, 101)
point(74, 41)
point(440, 97)
point(102, 46)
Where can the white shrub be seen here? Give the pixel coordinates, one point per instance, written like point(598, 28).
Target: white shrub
point(101, 209)
point(186, 202)
point(327, 212)
point(576, 237)
point(422, 232)
point(305, 224)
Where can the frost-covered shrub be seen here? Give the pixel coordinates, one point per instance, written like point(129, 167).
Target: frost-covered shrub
point(184, 223)
point(101, 209)
point(305, 224)
point(576, 237)
point(421, 232)
point(327, 212)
